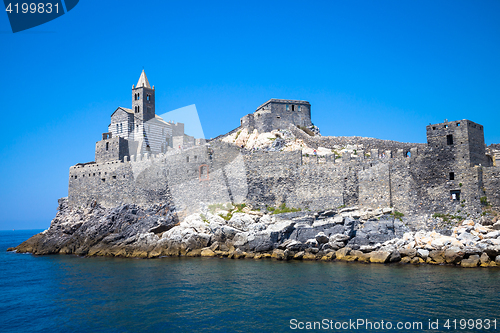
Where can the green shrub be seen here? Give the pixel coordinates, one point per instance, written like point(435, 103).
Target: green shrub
point(484, 201)
point(398, 215)
point(239, 207)
point(281, 209)
point(204, 218)
point(447, 218)
point(226, 217)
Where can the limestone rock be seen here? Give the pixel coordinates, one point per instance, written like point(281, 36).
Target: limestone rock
point(329, 256)
point(278, 254)
point(342, 253)
point(408, 252)
point(472, 261)
point(484, 260)
point(438, 256)
point(453, 255)
point(380, 256)
point(241, 221)
point(299, 255)
point(309, 256)
point(207, 252)
point(423, 253)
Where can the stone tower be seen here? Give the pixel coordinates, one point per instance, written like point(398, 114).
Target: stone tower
point(143, 99)
point(462, 139)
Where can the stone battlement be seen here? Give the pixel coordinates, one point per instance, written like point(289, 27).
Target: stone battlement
point(144, 160)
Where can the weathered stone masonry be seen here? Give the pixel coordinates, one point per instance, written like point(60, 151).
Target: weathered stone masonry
point(450, 174)
point(220, 172)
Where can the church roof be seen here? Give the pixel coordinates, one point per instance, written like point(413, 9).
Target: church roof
point(160, 119)
point(124, 109)
point(143, 81)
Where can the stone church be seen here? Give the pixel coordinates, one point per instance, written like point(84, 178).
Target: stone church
point(139, 130)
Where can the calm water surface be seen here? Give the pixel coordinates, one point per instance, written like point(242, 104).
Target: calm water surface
point(62, 293)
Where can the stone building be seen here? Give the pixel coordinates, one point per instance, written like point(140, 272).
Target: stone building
point(139, 130)
point(278, 114)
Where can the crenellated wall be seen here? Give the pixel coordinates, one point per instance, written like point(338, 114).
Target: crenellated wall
point(416, 183)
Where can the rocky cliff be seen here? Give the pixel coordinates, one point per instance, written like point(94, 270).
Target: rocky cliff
point(349, 234)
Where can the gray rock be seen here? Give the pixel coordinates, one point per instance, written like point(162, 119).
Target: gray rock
point(222, 233)
point(240, 239)
point(257, 227)
point(338, 219)
point(484, 259)
point(311, 243)
point(336, 245)
point(453, 255)
point(261, 241)
point(242, 221)
point(338, 238)
point(465, 236)
point(307, 220)
point(423, 253)
point(321, 238)
point(368, 248)
point(395, 256)
point(493, 234)
point(375, 231)
point(295, 246)
point(492, 251)
point(349, 226)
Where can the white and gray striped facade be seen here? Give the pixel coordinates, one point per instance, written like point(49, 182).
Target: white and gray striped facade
point(139, 130)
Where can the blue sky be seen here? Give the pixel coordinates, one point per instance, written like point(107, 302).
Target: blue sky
point(382, 69)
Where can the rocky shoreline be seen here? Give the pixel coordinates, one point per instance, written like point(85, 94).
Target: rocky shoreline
point(348, 234)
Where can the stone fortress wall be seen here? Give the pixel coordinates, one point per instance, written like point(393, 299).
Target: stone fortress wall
point(414, 180)
point(449, 174)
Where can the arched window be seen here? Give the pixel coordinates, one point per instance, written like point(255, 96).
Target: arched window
point(117, 129)
point(138, 96)
point(148, 97)
point(107, 145)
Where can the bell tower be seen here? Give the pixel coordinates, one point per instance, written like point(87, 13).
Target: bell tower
point(143, 99)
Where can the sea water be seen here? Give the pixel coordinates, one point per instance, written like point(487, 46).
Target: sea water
point(66, 293)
